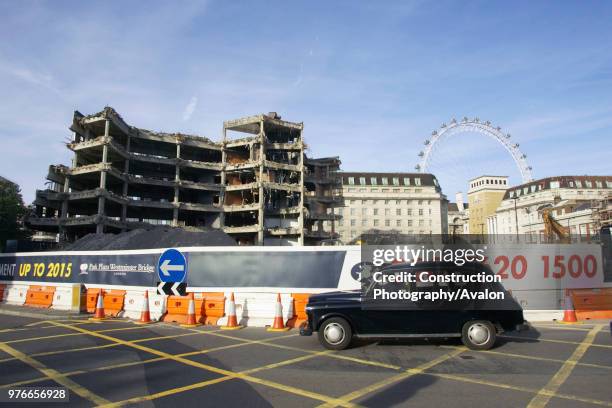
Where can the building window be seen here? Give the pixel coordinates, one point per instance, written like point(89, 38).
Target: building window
point(609, 184)
point(353, 211)
point(340, 223)
point(599, 184)
point(386, 202)
point(385, 181)
point(362, 181)
point(398, 223)
point(376, 222)
point(420, 211)
point(398, 202)
point(373, 181)
point(409, 212)
point(420, 202)
point(421, 223)
point(578, 183)
point(417, 181)
point(571, 184)
point(406, 181)
point(387, 223)
point(364, 223)
point(375, 211)
point(588, 184)
point(554, 184)
point(351, 180)
point(409, 223)
point(398, 211)
point(396, 181)
point(364, 211)
point(353, 222)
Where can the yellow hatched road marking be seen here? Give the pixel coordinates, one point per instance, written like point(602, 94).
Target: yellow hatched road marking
point(54, 375)
point(285, 362)
point(331, 355)
point(517, 388)
point(398, 377)
point(34, 326)
point(166, 393)
point(549, 390)
point(554, 340)
point(70, 334)
point(51, 353)
point(207, 367)
point(527, 357)
point(133, 363)
point(343, 401)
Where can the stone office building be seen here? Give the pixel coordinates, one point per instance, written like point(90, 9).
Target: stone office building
point(408, 203)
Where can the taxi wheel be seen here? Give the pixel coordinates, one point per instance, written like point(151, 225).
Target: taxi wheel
point(335, 333)
point(478, 335)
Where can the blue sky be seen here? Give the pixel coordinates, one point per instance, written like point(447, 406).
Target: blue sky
point(370, 80)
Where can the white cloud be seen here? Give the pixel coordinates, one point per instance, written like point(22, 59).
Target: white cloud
point(29, 76)
point(190, 108)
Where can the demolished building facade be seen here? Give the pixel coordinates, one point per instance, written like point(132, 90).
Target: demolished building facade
point(260, 188)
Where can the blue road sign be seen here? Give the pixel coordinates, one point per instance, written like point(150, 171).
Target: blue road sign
point(172, 266)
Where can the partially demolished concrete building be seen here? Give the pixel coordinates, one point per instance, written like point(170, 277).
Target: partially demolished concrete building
point(261, 189)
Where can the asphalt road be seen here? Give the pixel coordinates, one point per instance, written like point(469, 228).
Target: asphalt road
point(118, 363)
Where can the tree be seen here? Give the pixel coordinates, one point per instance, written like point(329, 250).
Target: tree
point(12, 212)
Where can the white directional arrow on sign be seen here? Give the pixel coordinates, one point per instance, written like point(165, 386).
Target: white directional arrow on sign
point(166, 268)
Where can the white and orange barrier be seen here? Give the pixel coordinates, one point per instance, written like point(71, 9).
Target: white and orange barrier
point(64, 296)
point(298, 311)
point(210, 306)
point(257, 308)
point(67, 298)
point(133, 302)
point(92, 298)
point(592, 303)
point(15, 294)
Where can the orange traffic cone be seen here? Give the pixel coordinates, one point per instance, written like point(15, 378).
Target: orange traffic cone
point(569, 315)
point(99, 313)
point(145, 315)
point(191, 317)
point(232, 321)
point(279, 324)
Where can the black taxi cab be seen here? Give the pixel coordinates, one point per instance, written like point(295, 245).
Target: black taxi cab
point(340, 316)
